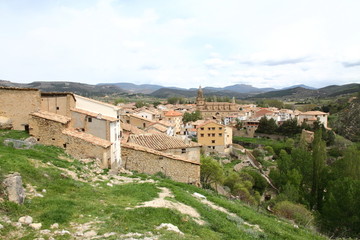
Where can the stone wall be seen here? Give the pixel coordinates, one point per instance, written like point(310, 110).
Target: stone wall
point(80, 148)
point(145, 160)
point(192, 154)
point(17, 104)
point(47, 132)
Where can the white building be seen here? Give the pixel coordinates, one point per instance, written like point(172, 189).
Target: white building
point(105, 110)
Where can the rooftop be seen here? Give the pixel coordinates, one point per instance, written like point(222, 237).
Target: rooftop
point(172, 114)
point(160, 141)
point(149, 150)
point(18, 88)
point(51, 116)
point(87, 137)
point(95, 115)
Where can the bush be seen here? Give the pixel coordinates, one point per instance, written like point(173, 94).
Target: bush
point(296, 212)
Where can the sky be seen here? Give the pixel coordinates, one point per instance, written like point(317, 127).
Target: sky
point(181, 43)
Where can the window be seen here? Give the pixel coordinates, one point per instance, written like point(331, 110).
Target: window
point(209, 128)
point(89, 119)
point(183, 150)
point(202, 128)
point(128, 121)
point(209, 134)
point(213, 134)
point(212, 141)
point(220, 134)
point(213, 128)
point(202, 135)
point(220, 128)
point(64, 145)
point(53, 139)
point(57, 108)
point(144, 125)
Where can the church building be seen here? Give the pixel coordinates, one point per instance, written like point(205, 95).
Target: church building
point(214, 110)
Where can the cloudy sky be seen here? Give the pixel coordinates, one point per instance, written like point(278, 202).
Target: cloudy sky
point(183, 43)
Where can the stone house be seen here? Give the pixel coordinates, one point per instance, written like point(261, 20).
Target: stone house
point(16, 104)
point(175, 118)
point(168, 144)
point(215, 137)
point(101, 126)
point(136, 121)
point(312, 116)
point(47, 127)
point(161, 127)
point(58, 102)
point(149, 161)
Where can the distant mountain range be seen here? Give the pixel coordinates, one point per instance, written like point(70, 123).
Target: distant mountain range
point(240, 91)
point(74, 87)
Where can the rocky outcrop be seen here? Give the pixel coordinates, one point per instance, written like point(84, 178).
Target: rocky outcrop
point(14, 189)
point(348, 124)
point(5, 123)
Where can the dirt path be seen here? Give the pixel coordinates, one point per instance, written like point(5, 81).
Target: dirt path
point(161, 202)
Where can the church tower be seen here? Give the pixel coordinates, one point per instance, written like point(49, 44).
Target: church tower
point(200, 100)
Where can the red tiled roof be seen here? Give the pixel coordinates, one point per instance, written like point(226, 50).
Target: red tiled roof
point(172, 114)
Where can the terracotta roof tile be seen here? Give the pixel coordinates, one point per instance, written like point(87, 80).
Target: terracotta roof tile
point(130, 128)
point(160, 141)
point(51, 116)
point(19, 88)
point(149, 150)
point(87, 137)
point(172, 114)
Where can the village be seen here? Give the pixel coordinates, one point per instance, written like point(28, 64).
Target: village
point(148, 139)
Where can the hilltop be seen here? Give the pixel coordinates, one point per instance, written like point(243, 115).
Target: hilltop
point(87, 202)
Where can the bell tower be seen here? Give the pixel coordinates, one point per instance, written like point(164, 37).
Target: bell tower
point(200, 100)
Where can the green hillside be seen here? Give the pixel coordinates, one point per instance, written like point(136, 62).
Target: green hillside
point(89, 203)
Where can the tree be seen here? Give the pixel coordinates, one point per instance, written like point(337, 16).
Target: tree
point(191, 117)
point(267, 126)
point(239, 124)
point(140, 104)
point(318, 170)
point(211, 172)
point(289, 128)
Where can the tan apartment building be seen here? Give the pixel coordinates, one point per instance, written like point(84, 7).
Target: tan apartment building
point(215, 137)
point(16, 104)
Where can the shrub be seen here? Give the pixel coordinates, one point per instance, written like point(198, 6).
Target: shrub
point(296, 212)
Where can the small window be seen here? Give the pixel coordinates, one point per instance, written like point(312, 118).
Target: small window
point(144, 125)
point(128, 121)
point(212, 141)
point(209, 134)
point(202, 128)
point(220, 134)
point(89, 119)
point(161, 157)
point(202, 135)
point(53, 139)
point(64, 145)
point(57, 108)
point(220, 128)
point(213, 134)
point(209, 128)
point(183, 150)
point(213, 128)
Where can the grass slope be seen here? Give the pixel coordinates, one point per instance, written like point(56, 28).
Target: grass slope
point(71, 203)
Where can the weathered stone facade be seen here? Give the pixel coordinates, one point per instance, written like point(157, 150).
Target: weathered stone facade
point(82, 145)
point(146, 160)
point(17, 103)
point(47, 127)
point(59, 103)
